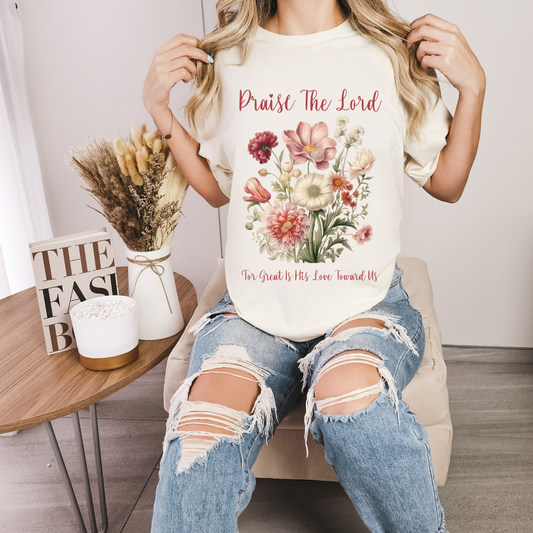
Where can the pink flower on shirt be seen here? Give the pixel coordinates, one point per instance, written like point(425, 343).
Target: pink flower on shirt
point(285, 225)
point(310, 144)
point(258, 192)
point(260, 147)
point(364, 234)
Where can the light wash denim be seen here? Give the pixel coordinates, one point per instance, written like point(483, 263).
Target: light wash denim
point(380, 453)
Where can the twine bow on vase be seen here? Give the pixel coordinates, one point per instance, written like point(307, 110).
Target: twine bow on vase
point(148, 272)
point(155, 266)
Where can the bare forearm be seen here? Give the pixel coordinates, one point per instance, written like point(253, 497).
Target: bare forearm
point(442, 46)
point(175, 62)
point(195, 167)
point(457, 157)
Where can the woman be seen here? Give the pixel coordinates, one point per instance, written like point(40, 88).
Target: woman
point(307, 114)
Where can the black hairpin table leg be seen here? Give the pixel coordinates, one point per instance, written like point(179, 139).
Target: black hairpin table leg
point(85, 473)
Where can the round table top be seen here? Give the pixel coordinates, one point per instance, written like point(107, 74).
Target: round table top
point(36, 387)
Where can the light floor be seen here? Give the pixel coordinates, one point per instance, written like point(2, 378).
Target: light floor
point(489, 488)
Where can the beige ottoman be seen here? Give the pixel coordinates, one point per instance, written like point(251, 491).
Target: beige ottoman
point(427, 394)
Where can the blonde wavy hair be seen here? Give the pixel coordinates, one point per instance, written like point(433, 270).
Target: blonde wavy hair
point(238, 21)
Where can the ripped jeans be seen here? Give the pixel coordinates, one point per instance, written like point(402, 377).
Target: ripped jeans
point(380, 453)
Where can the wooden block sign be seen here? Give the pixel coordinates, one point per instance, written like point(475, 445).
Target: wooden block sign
point(69, 270)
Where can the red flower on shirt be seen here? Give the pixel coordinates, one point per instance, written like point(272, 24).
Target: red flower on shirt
point(285, 225)
point(347, 199)
point(340, 183)
point(310, 144)
point(260, 147)
point(258, 192)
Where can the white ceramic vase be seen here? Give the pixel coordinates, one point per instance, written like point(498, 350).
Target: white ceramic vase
point(152, 286)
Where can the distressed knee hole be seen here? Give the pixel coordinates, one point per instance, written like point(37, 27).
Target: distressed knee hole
point(222, 387)
point(213, 404)
point(361, 323)
point(200, 425)
point(215, 393)
point(344, 386)
point(349, 327)
point(348, 382)
point(227, 386)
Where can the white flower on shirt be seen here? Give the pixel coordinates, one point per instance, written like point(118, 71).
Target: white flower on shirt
point(363, 163)
point(351, 138)
point(313, 191)
point(339, 132)
point(342, 122)
point(354, 136)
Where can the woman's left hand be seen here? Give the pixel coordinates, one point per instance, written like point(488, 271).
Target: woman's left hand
point(443, 47)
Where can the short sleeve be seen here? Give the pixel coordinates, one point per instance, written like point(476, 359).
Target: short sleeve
point(422, 155)
point(212, 148)
point(218, 162)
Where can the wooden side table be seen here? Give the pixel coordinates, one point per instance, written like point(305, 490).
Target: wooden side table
point(37, 388)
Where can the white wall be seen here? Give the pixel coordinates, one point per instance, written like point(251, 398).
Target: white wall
point(86, 63)
point(480, 250)
point(85, 66)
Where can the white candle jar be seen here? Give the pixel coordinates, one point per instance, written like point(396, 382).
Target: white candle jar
point(106, 331)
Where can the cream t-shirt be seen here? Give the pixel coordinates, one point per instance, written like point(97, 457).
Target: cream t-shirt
point(309, 143)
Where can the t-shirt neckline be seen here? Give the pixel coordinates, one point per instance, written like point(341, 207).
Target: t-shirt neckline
point(310, 38)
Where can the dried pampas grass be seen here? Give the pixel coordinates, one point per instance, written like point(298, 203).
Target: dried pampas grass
point(137, 183)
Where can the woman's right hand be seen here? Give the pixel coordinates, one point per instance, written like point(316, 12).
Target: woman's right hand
point(173, 62)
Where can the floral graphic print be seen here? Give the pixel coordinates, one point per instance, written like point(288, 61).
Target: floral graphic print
point(259, 193)
point(261, 146)
point(310, 144)
point(285, 225)
point(310, 215)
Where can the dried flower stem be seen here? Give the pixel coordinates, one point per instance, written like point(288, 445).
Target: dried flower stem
point(137, 184)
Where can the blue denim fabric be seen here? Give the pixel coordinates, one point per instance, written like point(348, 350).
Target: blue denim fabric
point(380, 454)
